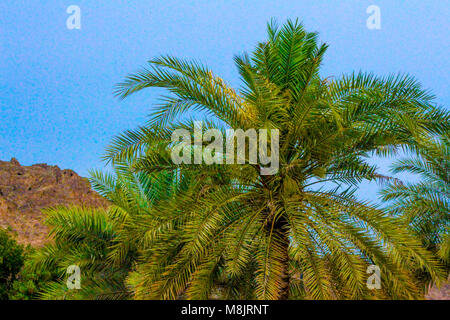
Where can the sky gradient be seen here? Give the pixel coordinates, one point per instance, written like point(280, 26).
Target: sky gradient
point(56, 101)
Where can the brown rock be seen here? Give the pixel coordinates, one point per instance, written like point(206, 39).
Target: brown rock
point(25, 190)
point(439, 293)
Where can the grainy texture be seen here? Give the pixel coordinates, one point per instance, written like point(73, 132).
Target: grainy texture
point(442, 293)
point(25, 190)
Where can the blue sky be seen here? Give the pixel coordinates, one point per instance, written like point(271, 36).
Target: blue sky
point(56, 102)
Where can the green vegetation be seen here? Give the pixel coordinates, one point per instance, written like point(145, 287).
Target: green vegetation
point(11, 262)
point(30, 281)
point(425, 204)
point(104, 243)
point(229, 232)
point(19, 279)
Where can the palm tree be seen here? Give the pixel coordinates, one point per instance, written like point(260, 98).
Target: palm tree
point(299, 233)
point(82, 238)
point(104, 242)
point(425, 204)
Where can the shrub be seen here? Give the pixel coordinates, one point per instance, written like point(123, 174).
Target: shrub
point(11, 262)
point(30, 281)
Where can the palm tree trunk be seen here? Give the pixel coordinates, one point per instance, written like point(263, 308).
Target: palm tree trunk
point(285, 283)
point(280, 228)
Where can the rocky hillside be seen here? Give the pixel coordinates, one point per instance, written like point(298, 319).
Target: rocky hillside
point(25, 190)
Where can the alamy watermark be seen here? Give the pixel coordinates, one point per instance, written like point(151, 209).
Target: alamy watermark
point(74, 279)
point(234, 149)
point(74, 20)
point(374, 20)
point(374, 281)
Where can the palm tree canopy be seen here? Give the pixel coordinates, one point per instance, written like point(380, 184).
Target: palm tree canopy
point(288, 234)
point(425, 204)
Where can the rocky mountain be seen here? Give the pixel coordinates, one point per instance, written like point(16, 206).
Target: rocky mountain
point(25, 190)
